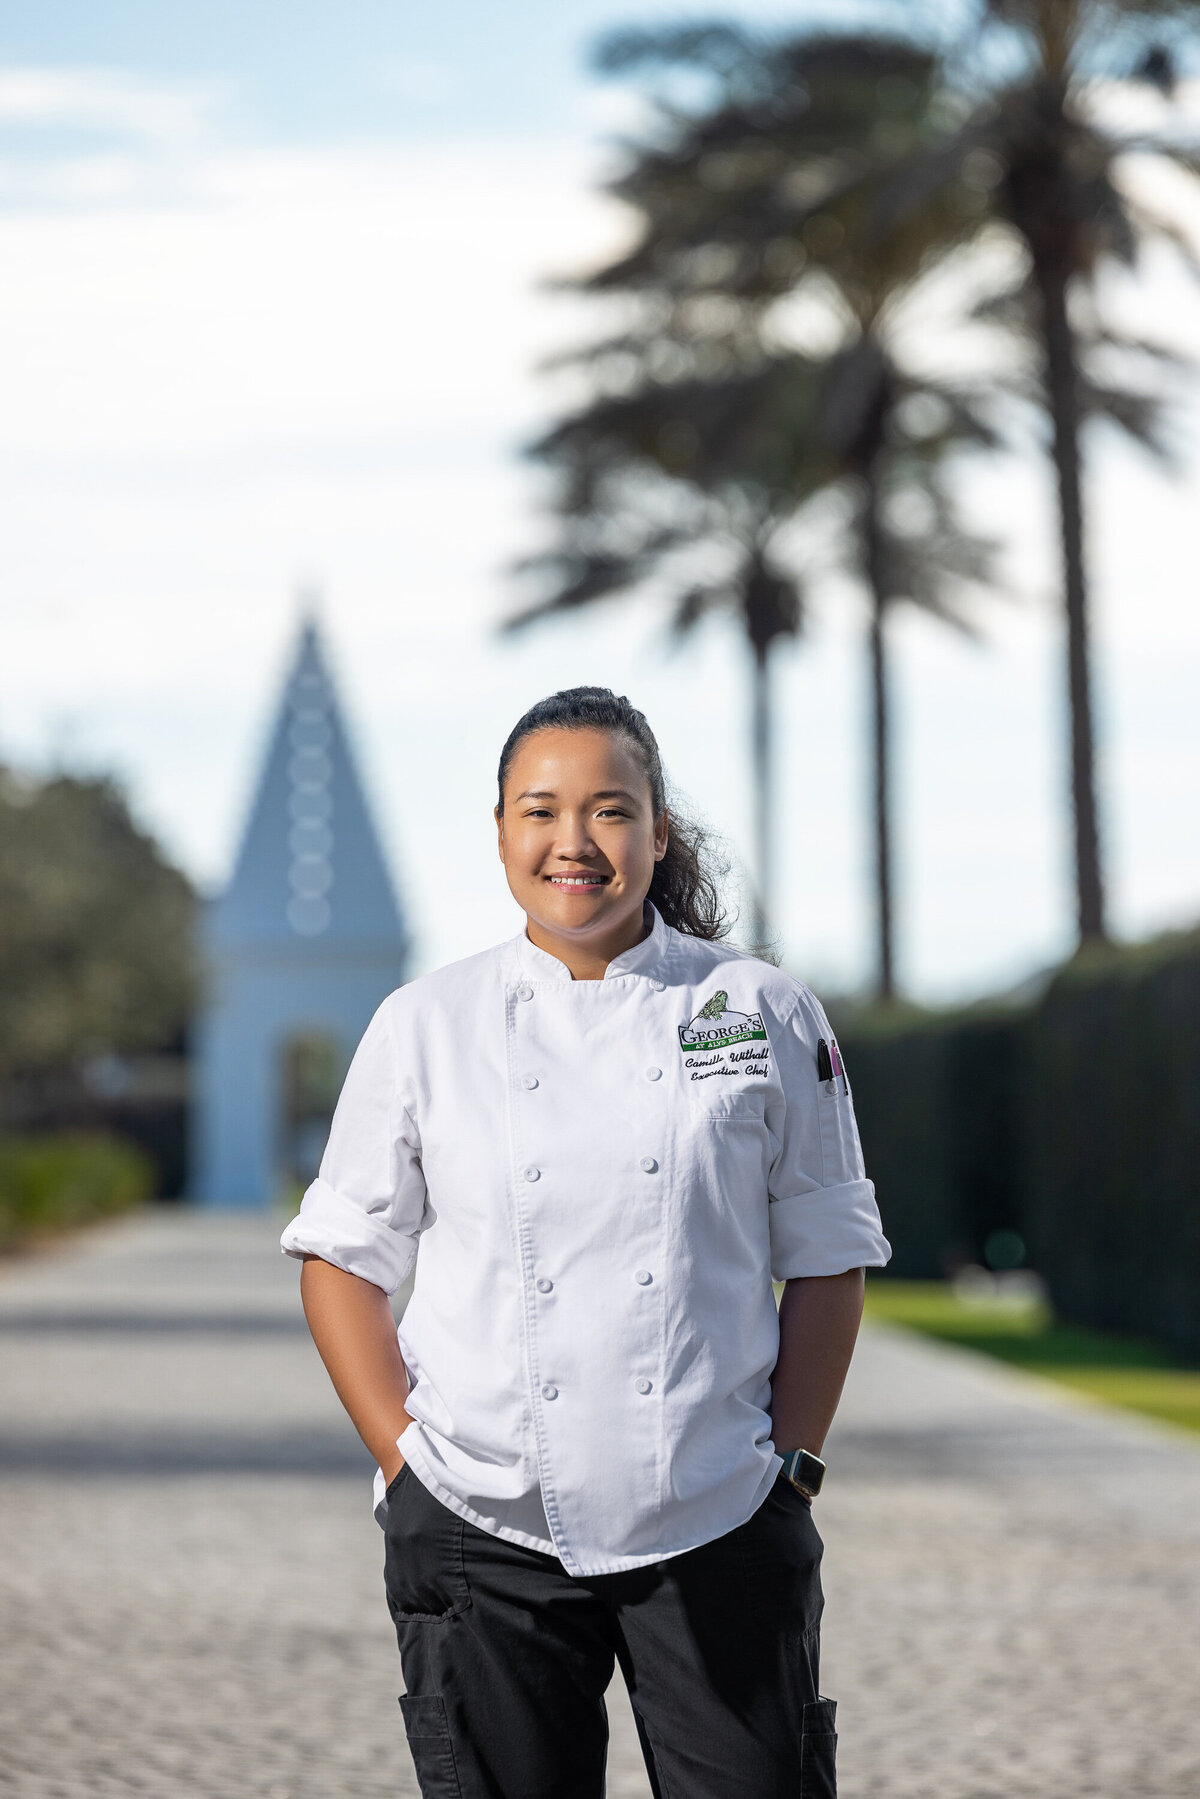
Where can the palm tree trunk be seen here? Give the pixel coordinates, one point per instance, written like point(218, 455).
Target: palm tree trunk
point(873, 561)
point(763, 770)
point(1062, 393)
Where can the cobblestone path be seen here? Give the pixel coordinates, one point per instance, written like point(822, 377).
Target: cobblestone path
point(191, 1597)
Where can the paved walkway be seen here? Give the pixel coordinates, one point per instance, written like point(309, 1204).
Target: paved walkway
point(191, 1603)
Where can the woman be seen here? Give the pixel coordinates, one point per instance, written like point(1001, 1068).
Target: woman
point(608, 1134)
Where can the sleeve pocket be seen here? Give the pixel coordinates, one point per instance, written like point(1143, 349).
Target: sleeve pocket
point(818, 1747)
point(428, 1732)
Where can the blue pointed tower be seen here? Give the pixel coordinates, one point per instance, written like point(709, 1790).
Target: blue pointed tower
point(301, 947)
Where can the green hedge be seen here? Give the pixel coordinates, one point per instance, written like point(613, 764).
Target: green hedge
point(936, 1108)
point(1074, 1122)
point(1112, 1143)
point(49, 1183)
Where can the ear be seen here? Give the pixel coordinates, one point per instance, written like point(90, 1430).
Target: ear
point(661, 835)
point(499, 818)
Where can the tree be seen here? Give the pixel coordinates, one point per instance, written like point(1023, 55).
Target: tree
point(1036, 140)
point(96, 928)
point(763, 191)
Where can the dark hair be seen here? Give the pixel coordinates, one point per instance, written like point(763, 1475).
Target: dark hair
point(684, 886)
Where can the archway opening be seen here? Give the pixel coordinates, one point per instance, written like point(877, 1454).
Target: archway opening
point(311, 1072)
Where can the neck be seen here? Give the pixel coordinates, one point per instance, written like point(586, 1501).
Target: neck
point(587, 959)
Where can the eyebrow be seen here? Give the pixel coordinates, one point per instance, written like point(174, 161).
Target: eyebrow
point(548, 793)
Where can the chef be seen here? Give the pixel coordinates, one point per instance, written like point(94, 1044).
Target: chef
point(598, 1439)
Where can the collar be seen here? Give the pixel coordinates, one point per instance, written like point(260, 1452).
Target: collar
point(541, 965)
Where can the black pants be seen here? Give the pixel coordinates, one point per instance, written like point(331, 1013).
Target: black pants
point(506, 1658)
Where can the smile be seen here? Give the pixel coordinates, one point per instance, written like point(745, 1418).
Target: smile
point(578, 880)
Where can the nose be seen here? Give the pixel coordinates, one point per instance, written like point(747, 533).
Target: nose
point(573, 841)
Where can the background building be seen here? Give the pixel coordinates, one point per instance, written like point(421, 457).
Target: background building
point(299, 950)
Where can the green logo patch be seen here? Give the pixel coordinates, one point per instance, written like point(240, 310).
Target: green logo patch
point(716, 1027)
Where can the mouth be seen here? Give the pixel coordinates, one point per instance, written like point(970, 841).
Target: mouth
point(578, 883)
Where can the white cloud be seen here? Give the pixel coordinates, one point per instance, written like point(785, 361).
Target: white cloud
point(298, 298)
point(108, 101)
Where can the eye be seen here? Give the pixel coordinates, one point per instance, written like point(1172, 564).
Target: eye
point(537, 812)
point(612, 812)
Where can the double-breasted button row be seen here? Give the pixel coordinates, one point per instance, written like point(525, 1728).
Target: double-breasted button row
point(544, 1284)
point(532, 1173)
point(535, 1173)
point(641, 1385)
point(530, 1081)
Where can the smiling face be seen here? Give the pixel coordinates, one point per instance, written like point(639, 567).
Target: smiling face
point(579, 841)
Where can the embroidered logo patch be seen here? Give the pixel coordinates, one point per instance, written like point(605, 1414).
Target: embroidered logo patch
point(719, 1040)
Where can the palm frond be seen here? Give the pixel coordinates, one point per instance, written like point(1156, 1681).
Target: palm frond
point(1154, 225)
point(720, 48)
point(1139, 416)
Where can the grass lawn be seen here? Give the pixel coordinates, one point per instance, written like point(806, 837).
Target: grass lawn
point(1019, 1327)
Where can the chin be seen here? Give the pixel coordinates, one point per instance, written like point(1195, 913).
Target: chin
point(576, 915)
point(563, 910)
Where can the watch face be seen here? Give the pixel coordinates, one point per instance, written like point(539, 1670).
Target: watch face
point(810, 1472)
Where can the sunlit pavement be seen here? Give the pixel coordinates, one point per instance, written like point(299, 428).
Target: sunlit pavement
point(191, 1592)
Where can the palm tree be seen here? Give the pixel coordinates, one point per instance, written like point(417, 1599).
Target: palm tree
point(763, 191)
point(1036, 145)
point(1060, 189)
point(896, 439)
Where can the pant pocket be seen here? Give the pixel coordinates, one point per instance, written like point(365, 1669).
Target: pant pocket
point(423, 1569)
point(818, 1747)
point(428, 1732)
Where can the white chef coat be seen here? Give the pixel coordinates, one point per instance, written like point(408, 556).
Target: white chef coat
point(603, 1176)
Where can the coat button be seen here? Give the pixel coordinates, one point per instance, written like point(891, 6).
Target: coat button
point(544, 1285)
point(643, 1277)
point(643, 1385)
point(549, 1392)
point(533, 1174)
point(656, 986)
point(654, 1074)
point(529, 1082)
point(648, 1163)
point(524, 992)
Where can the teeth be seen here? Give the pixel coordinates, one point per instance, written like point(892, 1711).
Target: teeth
point(577, 880)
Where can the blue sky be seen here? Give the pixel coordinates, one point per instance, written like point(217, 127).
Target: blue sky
point(361, 69)
point(304, 72)
point(270, 320)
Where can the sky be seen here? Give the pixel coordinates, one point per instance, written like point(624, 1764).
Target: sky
point(272, 308)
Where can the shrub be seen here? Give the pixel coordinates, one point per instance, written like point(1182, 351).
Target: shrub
point(49, 1183)
point(1071, 1125)
point(936, 1099)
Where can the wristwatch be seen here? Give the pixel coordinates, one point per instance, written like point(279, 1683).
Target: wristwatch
point(805, 1471)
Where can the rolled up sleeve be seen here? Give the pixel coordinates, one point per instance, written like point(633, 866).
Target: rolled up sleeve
point(821, 1206)
point(368, 1205)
